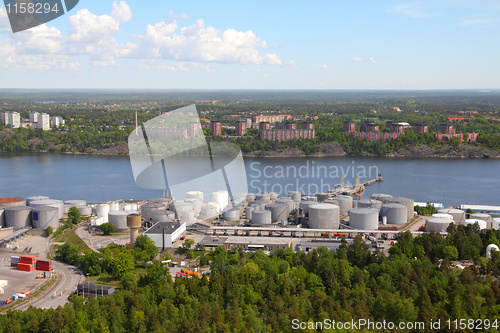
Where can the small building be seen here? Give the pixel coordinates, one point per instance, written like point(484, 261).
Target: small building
point(256, 243)
point(287, 134)
point(399, 127)
point(241, 127)
point(165, 234)
point(212, 242)
point(215, 128)
point(306, 245)
point(271, 118)
point(93, 290)
point(349, 127)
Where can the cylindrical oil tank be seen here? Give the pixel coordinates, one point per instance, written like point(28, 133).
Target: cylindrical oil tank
point(324, 216)
point(380, 196)
point(147, 210)
point(50, 202)
point(306, 204)
point(322, 196)
point(260, 204)
point(248, 212)
point(311, 198)
point(163, 216)
point(495, 224)
point(482, 223)
point(10, 202)
point(45, 216)
point(292, 205)
point(74, 203)
point(37, 197)
point(124, 206)
point(195, 195)
point(164, 201)
point(102, 210)
point(186, 216)
point(84, 210)
point(332, 202)
point(2, 217)
point(181, 206)
point(364, 218)
point(395, 213)
point(484, 217)
point(114, 206)
point(119, 219)
point(261, 217)
point(232, 215)
point(295, 195)
point(409, 203)
point(208, 211)
point(222, 197)
point(279, 211)
point(18, 217)
point(265, 197)
point(443, 215)
point(490, 248)
point(370, 203)
point(355, 203)
point(458, 214)
point(438, 224)
point(345, 203)
point(196, 203)
point(66, 210)
point(273, 196)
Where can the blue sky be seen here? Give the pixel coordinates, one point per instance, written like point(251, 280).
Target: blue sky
point(439, 44)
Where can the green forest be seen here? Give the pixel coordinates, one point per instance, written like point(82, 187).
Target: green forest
point(259, 293)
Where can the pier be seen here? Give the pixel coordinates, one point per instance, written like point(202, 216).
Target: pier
point(352, 189)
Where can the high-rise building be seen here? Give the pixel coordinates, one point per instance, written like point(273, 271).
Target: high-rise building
point(13, 119)
point(193, 128)
point(249, 123)
point(264, 126)
point(349, 127)
point(34, 117)
point(370, 127)
point(241, 127)
point(445, 128)
point(43, 122)
point(306, 125)
point(215, 128)
point(287, 134)
point(57, 121)
point(418, 128)
point(289, 125)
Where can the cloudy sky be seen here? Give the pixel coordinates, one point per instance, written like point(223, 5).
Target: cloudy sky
point(323, 44)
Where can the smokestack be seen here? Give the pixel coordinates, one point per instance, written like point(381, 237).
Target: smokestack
point(136, 122)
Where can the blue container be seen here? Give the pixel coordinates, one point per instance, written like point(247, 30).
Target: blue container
point(14, 297)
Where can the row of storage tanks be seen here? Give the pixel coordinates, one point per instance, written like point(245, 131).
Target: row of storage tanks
point(440, 222)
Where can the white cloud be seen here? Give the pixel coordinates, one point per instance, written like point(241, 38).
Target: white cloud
point(200, 43)
point(203, 67)
point(412, 9)
point(172, 16)
point(121, 11)
point(4, 20)
point(474, 22)
point(373, 61)
point(90, 28)
point(156, 65)
point(357, 59)
point(292, 64)
point(324, 67)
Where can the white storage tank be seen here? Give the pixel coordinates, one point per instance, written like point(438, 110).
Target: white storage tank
point(438, 224)
point(364, 218)
point(250, 197)
point(370, 203)
point(381, 197)
point(208, 212)
point(36, 198)
point(394, 213)
point(345, 203)
point(332, 202)
point(102, 210)
point(482, 224)
point(45, 216)
point(458, 214)
point(9, 202)
point(124, 206)
point(114, 206)
point(409, 203)
point(495, 224)
point(248, 212)
point(295, 195)
point(443, 215)
point(312, 198)
point(261, 217)
point(66, 210)
point(50, 202)
point(265, 197)
point(279, 211)
point(195, 195)
point(163, 216)
point(187, 216)
point(196, 203)
point(490, 248)
point(232, 215)
point(324, 216)
point(118, 219)
point(221, 197)
point(260, 204)
point(147, 210)
point(84, 210)
point(484, 217)
point(287, 201)
point(273, 196)
point(17, 217)
point(74, 203)
point(181, 206)
point(2, 217)
point(306, 204)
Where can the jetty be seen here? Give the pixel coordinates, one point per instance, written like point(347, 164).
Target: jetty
point(359, 187)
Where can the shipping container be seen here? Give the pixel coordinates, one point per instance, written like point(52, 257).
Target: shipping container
point(26, 292)
point(21, 295)
point(25, 267)
point(14, 297)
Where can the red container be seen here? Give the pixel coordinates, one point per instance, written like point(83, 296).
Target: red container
point(26, 292)
point(30, 258)
point(13, 265)
point(25, 267)
point(44, 262)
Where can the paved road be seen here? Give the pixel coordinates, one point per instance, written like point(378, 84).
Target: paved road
point(95, 243)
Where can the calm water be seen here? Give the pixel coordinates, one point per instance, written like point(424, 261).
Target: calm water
point(94, 178)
